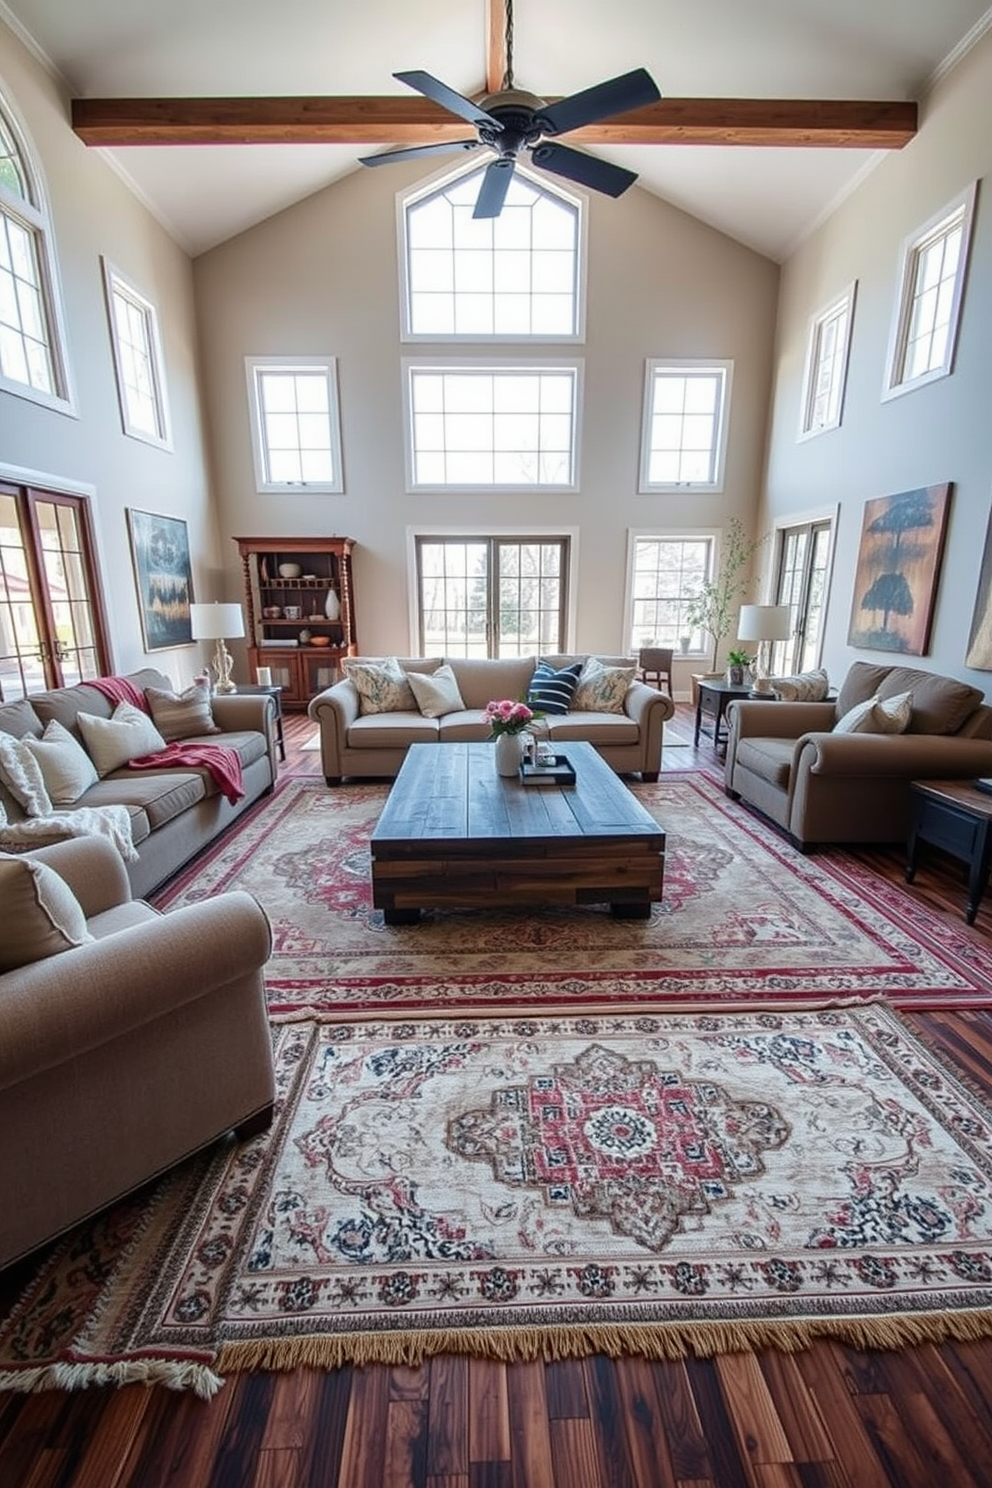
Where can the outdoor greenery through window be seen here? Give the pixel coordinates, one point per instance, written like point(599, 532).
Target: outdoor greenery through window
point(665, 574)
point(295, 423)
point(684, 425)
point(922, 346)
point(472, 425)
point(492, 596)
point(512, 276)
point(137, 360)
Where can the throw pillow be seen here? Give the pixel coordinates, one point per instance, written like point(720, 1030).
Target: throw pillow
point(878, 716)
point(128, 735)
point(858, 719)
point(602, 689)
point(42, 916)
point(805, 687)
point(437, 693)
point(383, 686)
point(551, 691)
point(181, 715)
point(21, 774)
point(65, 766)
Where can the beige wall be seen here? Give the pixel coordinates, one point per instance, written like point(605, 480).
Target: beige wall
point(936, 433)
point(322, 277)
point(95, 214)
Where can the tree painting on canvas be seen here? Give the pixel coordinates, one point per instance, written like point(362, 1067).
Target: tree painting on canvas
point(902, 543)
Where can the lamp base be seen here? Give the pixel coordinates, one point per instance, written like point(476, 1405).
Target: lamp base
point(223, 662)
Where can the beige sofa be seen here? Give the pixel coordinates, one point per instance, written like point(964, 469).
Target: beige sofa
point(122, 1055)
point(175, 811)
point(820, 786)
point(375, 744)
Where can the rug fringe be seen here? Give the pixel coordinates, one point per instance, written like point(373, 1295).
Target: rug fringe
point(668, 1341)
point(175, 1375)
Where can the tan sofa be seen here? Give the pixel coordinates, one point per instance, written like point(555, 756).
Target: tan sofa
point(375, 744)
point(784, 759)
point(120, 1056)
point(175, 811)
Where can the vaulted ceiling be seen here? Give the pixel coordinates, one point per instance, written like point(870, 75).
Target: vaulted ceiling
point(767, 196)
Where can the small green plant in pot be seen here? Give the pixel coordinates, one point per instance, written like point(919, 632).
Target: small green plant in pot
point(737, 664)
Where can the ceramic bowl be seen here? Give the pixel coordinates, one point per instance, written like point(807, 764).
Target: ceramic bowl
point(320, 640)
point(289, 570)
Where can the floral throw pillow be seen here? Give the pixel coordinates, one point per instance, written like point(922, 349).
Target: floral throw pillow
point(382, 686)
point(602, 689)
point(805, 687)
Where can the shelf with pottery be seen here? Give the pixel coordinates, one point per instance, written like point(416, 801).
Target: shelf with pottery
point(299, 598)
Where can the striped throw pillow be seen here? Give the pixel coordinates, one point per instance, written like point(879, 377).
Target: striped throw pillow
point(183, 714)
point(551, 691)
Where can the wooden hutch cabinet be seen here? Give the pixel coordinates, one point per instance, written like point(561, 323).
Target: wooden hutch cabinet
point(300, 610)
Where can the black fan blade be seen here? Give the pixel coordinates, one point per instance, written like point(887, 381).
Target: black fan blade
point(587, 170)
point(492, 192)
point(418, 152)
point(629, 91)
point(454, 102)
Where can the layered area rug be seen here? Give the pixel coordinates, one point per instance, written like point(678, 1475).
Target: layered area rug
point(744, 917)
point(543, 1187)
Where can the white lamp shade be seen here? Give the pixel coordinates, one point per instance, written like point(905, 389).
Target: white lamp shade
point(764, 623)
point(216, 622)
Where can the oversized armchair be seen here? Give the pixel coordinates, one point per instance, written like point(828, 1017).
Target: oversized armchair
point(132, 1038)
point(822, 786)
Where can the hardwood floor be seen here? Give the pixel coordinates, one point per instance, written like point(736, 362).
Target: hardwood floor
point(830, 1417)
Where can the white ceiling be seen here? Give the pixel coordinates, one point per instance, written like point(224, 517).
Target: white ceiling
point(766, 198)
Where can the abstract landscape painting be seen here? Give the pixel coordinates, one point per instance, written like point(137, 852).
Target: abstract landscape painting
point(160, 551)
point(902, 543)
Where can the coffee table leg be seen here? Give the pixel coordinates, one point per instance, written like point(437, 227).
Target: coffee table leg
point(630, 911)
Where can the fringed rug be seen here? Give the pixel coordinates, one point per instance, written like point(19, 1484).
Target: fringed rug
point(539, 1188)
point(744, 917)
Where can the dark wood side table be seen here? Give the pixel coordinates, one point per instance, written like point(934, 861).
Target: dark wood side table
point(275, 693)
point(953, 815)
point(712, 698)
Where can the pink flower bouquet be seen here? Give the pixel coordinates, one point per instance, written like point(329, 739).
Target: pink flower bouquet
point(507, 717)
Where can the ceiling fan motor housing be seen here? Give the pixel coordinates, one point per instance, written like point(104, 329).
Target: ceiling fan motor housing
point(516, 113)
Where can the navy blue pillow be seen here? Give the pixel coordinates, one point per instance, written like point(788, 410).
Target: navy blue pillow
point(551, 691)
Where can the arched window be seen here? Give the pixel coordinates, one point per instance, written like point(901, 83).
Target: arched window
point(512, 278)
point(32, 364)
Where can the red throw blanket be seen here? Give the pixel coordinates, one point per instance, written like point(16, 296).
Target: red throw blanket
point(220, 762)
point(119, 690)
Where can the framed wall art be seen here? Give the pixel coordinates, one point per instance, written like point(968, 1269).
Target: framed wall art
point(895, 585)
point(163, 578)
point(980, 639)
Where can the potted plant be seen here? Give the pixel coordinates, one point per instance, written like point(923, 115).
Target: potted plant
point(715, 604)
point(737, 664)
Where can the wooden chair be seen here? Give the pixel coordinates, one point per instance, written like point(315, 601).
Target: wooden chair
point(655, 666)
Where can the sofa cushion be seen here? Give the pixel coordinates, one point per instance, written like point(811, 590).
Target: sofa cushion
point(392, 731)
point(436, 694)
point(552, 691)
point(128, 734)
point(159, 794)
point(594, 728)
point(768, 759)
point(940, 704)
point(42, 916)
point(602, 689)
point(66, 703)
point(19, 718)
point(382, 685)
point(180, 715)
point(66, 768)
point(21, 774)
point(470, 726)
point(482, 680)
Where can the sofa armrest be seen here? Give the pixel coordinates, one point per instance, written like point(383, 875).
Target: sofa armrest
point(906, 756)
point(93, 869)
point(642, 700)
point(748, 719)
point(335, 710)
point(57, 1009)
point(237, 713)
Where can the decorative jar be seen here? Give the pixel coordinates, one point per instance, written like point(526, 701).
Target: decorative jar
point(509, 753)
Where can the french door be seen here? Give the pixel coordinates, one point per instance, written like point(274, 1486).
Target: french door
point(491, 596)
point(801, 583)
point(52, 627)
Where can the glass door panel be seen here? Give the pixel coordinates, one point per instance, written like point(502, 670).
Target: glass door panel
point(804, 553)
point(491, 596)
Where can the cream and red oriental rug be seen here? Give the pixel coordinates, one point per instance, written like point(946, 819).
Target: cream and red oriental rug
point(649, 1183)
point(745, 917)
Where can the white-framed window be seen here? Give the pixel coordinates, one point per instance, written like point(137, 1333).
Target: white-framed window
point(925, 324)
point(825, 376)
point(664, 571)
point(32, 342)
point(515, 277)
point(138, 362)
point(295, 422)
point(485, 425)
point(684, 425)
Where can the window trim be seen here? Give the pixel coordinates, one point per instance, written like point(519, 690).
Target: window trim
point(666, 534)
point(36, 217)
point(329, 365)
point(895, 384)
point(115, 281)
point(524, 365)
point(574, 197)
point(814, 340)
point(647, 487)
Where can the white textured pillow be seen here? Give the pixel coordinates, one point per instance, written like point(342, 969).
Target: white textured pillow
point(42, 916)
point(21, 774)
point(65, 766)
point(383, 686)
point(602, 689)
point(113, 741)
point(875, 716)
point(180, 715)
point(436, 693)
point(804, 687)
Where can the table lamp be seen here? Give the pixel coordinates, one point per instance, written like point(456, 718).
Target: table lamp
point(218, 622)
point(764, 623)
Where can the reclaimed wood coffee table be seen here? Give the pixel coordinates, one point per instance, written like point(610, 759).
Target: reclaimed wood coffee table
point(453, 833)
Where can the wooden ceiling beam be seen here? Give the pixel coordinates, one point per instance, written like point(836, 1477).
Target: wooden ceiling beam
point(496, 46)
point(368, 121)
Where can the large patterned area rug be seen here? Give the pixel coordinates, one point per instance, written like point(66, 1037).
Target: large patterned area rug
point(744, 917)
point(540, 1187)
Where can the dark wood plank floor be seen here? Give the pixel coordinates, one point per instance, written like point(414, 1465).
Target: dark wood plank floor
point(829, 1417)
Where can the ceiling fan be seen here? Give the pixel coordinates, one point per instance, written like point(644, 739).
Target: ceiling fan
point(431, 119)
